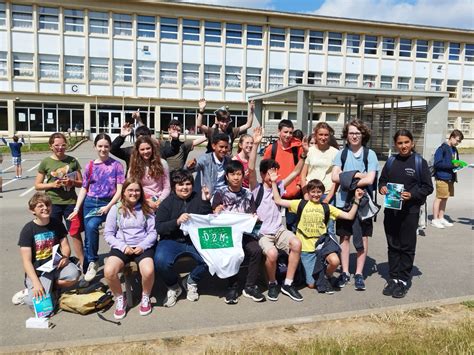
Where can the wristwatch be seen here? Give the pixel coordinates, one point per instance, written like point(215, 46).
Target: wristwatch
point(303, 156)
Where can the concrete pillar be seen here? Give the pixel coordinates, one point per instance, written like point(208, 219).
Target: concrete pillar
point(87, 119)
point(302, 111)
point(158, 120)
point(11, 117)
point(258, 113)
point(436, 124)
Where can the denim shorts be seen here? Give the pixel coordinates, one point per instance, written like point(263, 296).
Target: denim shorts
point(308, 260)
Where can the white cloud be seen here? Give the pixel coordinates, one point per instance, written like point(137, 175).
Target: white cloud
point(442, 13)
point(260, 4)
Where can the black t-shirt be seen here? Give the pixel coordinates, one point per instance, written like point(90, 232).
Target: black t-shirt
point(41, 240)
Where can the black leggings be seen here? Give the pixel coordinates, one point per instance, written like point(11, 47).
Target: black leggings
point(254, 254)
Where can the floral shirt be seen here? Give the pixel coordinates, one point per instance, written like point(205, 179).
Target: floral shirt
point(102, 180)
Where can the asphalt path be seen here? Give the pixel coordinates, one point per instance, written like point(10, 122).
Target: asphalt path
point(443, 269)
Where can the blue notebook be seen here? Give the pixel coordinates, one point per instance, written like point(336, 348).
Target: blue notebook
point(43, 306)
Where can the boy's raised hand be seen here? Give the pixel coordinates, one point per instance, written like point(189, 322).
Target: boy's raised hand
point(257, 135)
point(126, 129)
point(273, 175)
point(205, 193)
point(252, 106)
point(305, 144)
point(202, 104)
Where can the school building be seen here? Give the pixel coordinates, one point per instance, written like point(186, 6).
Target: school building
point(87, 65)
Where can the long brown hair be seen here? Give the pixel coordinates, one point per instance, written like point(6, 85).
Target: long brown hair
point(126, 208)
point(138, 164)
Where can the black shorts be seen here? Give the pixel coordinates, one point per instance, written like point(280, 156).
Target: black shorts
point(344, 227)
point(128, 258)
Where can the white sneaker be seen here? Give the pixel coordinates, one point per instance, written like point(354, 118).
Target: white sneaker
point(91, 271)
point(437, 223)
point(445, 223)
point(19, 297)
point(172, 296)
point(191, 289)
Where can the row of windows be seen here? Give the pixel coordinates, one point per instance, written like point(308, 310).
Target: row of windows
point(146, 27)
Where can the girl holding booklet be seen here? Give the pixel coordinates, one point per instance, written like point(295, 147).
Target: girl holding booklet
point(63, 175)
point(409, 169)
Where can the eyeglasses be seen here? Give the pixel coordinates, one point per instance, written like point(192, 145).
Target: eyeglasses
point(355, 134)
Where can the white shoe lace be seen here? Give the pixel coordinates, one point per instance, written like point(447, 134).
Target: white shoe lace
point(145, 300)
point(119, 303)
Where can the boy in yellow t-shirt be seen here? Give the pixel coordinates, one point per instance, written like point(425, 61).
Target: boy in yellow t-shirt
point(311, 224)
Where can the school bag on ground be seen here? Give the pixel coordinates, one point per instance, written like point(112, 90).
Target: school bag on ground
point(86, 303)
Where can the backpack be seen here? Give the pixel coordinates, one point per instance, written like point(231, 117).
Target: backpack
point(294, 150)
point(86, 303)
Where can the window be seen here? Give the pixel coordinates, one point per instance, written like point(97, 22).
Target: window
point(370, 46)
point(122, 70)
point(212, 32)
point(466, 126)
point(369, 81)
point(467, 89)
point(315, 78)
point(405, 48)
point(168, 73)
point(388, 46)
point(420, 84)
point(190, 30)
point(452, 88)
point(23, 65)
point(451, 123)
point(436, 84)
point(99, 69)
point(297, 39)
point(254, 35)
point(146, 26)
point(386, 82)
point(73, 67)
point(295, 77)
point(332, 117)
point(352, 80)
point(333, 79)
point(233, 77)
point(49, 66)
point(3, 64)
point(403, 83)
point(122, 25)
point(145, 72)
point(334, 41)
point(254, 78)
point(469, 52)
point(316, 40)
point(98, 22)
point(275, 78)
point(212, 76)
point(169, 28)
point(421, 48)
point(3, 15)
point(22, 16)
point(48, 18)
point(277, 37)
point(73, 20)
point(454, 50)
point(353, 43)
point(438, 50)
point(190, 74)
point(233, 33)
point(272, 115)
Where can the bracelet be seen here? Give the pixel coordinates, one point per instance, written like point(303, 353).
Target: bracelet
point(302, 156)
point(356, 202)
point(75, 209)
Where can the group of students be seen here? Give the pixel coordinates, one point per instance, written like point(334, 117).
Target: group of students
point(146, 206)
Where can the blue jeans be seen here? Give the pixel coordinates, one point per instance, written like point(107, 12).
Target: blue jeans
point(62, 211)
point(167, 252)
point(91, 228)
point(308, 260)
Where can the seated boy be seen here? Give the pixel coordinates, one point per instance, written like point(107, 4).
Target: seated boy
point(273, 235)
point(311, 225)
point(36, 242)
point(235, 198)
point(173, 243)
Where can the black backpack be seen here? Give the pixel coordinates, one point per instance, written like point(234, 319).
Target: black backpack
point(294, 150)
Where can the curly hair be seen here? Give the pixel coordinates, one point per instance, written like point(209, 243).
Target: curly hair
point(126, 207)
point(138, 164)
point(56, 135)
point(361, 126)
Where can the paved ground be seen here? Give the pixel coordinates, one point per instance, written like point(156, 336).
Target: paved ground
point(444, 269)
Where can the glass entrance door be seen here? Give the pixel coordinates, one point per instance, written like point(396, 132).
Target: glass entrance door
point(110, 123)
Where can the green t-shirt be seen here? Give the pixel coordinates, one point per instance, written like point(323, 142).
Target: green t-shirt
point(57, 169)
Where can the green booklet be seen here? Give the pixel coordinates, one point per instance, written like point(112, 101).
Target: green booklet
point(393, 197)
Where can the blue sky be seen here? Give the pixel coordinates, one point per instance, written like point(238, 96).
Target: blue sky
point(441, 13)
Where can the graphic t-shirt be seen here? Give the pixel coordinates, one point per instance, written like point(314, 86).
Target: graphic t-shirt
point(218, 239)
point(56, 170)
point(311, 225)
point(41, 240)
point(241, 201)
point(320, 165)
point(102, 183)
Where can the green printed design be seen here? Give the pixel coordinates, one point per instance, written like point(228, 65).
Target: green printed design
point(215, 237)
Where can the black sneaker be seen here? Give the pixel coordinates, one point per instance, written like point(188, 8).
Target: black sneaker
point(232, 296)
point(254, 293)
point(400, 291)
point(329, 288)
point(343, 280)
point(273, 291)
point(389, 287)
point(291, 292)
point(359, 283)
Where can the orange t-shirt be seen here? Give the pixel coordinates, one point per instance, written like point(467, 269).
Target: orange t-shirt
point(285, 158)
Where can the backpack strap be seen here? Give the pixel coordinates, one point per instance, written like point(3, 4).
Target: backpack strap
point(389, 163)
point(259, 197)
point(89, 173)
point(274, 149)
point(326, 213)
point(299, 211)
point(294, 150)
point(366, 159)
point(418, 167)
point(344, 157)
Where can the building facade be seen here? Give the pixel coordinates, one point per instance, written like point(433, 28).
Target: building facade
point(87, 65)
